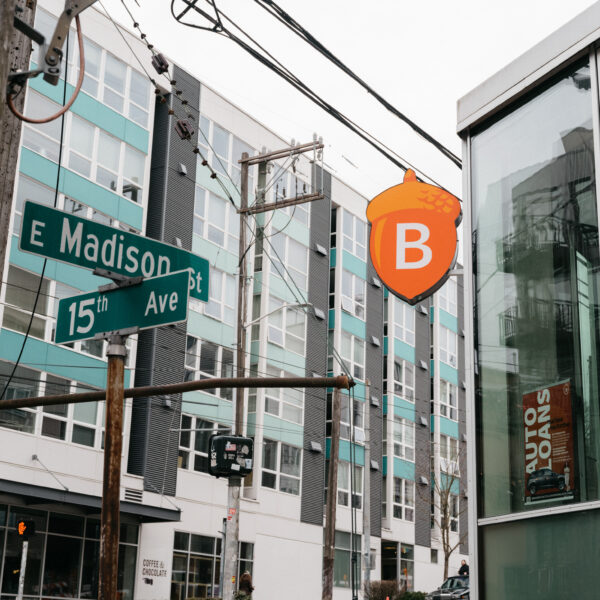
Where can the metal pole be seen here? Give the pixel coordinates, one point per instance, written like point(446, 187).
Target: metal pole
point(223, 538)
point(113, 443)
point(367, 493)
point(330, 507)
point(22, 571)
point(339, 381)
point(233, 490)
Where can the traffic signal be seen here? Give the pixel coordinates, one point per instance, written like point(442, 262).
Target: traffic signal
point(25, 529)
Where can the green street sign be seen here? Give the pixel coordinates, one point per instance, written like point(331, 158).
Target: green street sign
point(64, 237)
point(157, 301)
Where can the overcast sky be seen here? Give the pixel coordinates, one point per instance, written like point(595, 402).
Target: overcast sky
point(421, 56)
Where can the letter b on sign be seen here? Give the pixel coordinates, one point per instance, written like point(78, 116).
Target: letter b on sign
point(402, 244)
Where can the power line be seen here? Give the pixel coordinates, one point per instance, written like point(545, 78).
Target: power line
point(283, 17)
point(274, 65)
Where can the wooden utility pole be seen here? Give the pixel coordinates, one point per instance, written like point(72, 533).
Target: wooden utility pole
point(330, 507)
point(235, 483)
point(15, 50)
point(111, 485)
point(367, 493)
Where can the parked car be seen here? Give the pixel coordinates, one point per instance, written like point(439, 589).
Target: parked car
point(543, 479)
point(454, 588)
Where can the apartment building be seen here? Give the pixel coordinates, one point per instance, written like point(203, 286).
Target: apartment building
point(316, 308)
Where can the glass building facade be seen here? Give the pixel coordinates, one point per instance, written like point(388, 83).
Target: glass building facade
point(531, 152)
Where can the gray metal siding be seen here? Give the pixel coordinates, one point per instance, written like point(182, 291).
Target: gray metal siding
point(315, 403)
point(374, 373)
point(422, 432)
point(463, 525)
point(154, 448)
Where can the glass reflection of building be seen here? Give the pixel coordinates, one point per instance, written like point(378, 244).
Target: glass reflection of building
point(532, 153)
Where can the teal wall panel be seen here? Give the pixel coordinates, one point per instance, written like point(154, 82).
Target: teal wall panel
point(448, 427)
point(385, 346)
point(97, 113)
point(331, 319)
point(206, 328)
point(404, 469)
point(332, 257)
point(283, 431)
point(354, 265)
point(208, 406)
point(289, 361)
point(345, 446)
point(404, 350)
point(353, 325)
point(384, 466)
point(38, 354)
point(403, 408)
point(43, 170)
point(449, 321)
point(385, 405)
point(293, 228)
point(448, 373)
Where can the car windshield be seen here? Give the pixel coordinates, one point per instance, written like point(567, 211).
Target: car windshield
point(453, 583)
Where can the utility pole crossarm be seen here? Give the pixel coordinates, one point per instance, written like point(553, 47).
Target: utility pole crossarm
point(300, 149)
point(261, 208)
point(339, 382)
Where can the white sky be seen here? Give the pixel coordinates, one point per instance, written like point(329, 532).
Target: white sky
point(421, 56)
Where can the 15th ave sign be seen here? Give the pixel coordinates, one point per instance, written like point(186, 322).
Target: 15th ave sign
point(157, 301)
point(64, 237)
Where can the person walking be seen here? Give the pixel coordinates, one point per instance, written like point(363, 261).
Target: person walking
point(464, 567)
point(246, 586)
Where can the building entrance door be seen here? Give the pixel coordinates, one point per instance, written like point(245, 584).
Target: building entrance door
point(389, 560)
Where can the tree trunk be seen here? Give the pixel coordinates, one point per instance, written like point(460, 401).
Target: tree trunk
point(15, 50)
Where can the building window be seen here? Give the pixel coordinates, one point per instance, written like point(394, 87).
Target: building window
point(404, 499)
point(215, 220)
point(383, 496)
point(28, 189)
point(204, 360)
point(404, 322)
point(449, 454)
point(197, 565)
point(353, 294)
point(344, 485)
point(447, 296)
point(223, 150)
point(222, 300)
point(453, 511)
point(404, 379)
point(342, 564)
point(193, 442)
point(41, 138)
point(285, 403)
point(448, 346)
point(404, 438)
point(353, 355)
point(281, 467)
point(289, 259)
point(354, 234)
point(434, 556)
point(448, 400)
point(286, 326)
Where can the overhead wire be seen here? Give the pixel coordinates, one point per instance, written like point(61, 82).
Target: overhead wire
point(274, 65)
point(283, 17)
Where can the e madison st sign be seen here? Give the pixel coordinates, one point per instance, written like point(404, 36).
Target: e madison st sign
point(67, 238)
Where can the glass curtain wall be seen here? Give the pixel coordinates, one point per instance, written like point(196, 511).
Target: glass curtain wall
point(537, 339)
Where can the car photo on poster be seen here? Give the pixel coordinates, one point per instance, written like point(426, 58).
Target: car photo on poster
point(548, 443)
point(544, 479)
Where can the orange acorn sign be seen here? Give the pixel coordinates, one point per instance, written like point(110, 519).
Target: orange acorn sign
point(413, 241)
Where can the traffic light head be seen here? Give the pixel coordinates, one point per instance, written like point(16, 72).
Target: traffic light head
point(25, 529)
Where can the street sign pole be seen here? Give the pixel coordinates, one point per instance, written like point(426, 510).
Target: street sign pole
point(22, 571)
point(113, 443)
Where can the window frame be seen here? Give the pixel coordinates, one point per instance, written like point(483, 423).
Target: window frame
point(448, 409)
point(405, 505)
point(402, 447)
point(355, 304)
point(278, 472)
point(448, 338)
point(357, 370)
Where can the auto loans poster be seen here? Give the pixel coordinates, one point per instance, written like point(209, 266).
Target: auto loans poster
point(548, 426)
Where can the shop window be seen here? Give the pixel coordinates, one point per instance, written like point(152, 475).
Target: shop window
point(342, 564)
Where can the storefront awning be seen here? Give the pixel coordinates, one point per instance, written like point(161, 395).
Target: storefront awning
point(144, 512)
